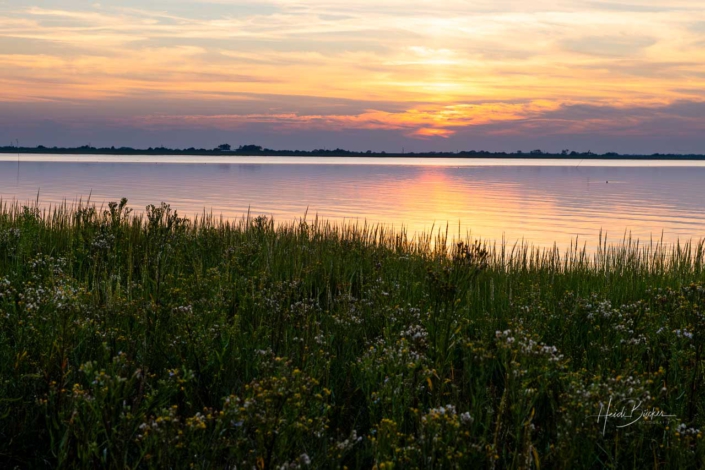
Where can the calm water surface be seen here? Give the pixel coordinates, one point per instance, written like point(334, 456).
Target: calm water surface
point(540, 201)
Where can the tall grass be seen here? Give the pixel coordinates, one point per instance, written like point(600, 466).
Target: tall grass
point(155, 341)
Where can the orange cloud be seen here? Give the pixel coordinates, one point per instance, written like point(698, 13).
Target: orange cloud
point(425, 60)
point(430, 132)
point(420, 122)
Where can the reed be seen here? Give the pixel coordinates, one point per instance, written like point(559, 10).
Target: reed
point(155, 341)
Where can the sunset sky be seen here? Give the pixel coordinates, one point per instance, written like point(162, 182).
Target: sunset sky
point(625, 76)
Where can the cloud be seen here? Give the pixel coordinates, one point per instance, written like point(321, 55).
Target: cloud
point(425, 121)
point(610, 46)
point(676, 127)
point(420, 69)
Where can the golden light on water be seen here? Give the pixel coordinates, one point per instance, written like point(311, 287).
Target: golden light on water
point(540, 202)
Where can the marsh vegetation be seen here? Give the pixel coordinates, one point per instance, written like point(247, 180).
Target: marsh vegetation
point(154, 341)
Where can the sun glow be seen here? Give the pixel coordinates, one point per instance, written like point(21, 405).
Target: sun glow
point(422, 71)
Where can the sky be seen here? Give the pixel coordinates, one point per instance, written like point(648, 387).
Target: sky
point(419, 75)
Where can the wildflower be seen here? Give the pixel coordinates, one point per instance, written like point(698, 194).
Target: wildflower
point(465, 418)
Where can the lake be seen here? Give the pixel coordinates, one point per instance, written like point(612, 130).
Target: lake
point(539, 201)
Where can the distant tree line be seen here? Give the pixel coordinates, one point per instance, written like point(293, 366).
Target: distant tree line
point(253, 150)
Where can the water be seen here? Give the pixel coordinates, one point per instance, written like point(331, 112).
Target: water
point(539, 201)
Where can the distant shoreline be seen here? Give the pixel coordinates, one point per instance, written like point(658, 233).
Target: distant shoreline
point(535, 155)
